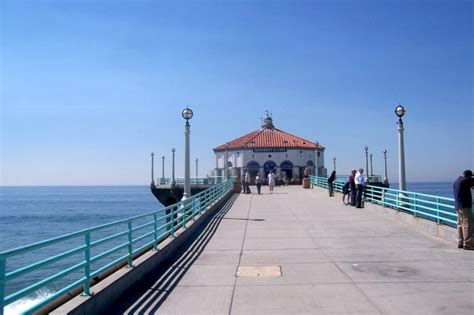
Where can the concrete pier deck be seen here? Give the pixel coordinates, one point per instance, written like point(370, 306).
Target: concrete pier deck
point(332, 259)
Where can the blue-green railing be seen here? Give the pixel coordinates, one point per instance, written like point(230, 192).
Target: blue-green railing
point(139, 233)
point(210, 180)
point(435, 208)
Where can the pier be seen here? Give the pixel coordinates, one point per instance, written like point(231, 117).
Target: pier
point(298, 251)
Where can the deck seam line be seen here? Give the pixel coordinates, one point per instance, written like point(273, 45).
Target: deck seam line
point(240, 255)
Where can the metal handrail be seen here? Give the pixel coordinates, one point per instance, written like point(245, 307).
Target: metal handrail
point(179, 215)
point(435, 208)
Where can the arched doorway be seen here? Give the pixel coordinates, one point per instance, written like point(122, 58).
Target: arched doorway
point(310, 166)
point(286, 170)
point(269, 166)
point(252, 168)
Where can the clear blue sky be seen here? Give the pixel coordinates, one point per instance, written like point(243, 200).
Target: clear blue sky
point(90, 88)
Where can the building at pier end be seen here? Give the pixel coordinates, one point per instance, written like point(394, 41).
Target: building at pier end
point(270, 149)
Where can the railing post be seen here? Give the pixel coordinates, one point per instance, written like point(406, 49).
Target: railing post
point(184, 208)
point(87, 266)
point(130, 249)
point(437, 211)
point(415, 208)
point(172, 222)
point(3, 271)
point(155, 232)
point(193, 211)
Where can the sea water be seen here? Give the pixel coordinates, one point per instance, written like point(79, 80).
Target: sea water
point(33, 214)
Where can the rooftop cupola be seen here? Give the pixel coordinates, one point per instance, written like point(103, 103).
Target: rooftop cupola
point(268, 122)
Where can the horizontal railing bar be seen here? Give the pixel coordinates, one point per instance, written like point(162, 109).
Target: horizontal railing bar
point(107, 266)
point(107, 239)
point(108, 252)
point(139, 238)
point(54, 296)
point(29, 268)
point(42, 283)
point(142, 226)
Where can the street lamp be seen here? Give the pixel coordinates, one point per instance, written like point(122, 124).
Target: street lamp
point(385, 180)
point(371, 166)
point(163, 169)
point(197, 160)
point(187, 114)
point(152, 170)
point(366, 148)
point(226, 163)
point(400, 112)
point(317, 159)
point(173, 179)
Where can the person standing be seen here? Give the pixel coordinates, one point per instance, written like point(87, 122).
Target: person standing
point(345, 192)
point(247, 183)
point(259, 182)
point(271, 181)
point(352, 186)
point(359, 181)
point(331, 183)
point(463, 204)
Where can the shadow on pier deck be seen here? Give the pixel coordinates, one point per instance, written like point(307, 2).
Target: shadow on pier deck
point(332, 258)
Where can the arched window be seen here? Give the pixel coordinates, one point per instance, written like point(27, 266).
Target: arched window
point(269, 166)
point(253, 166)
point(286, 165)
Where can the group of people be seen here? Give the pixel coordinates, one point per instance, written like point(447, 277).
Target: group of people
point(463, 203)
point(353, 189)
point(259, 182)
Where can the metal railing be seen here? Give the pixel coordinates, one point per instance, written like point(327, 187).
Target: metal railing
point(435, 208)
point(194, 181)
point(139, 233)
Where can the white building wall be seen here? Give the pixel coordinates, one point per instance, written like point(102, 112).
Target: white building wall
point(299, 157)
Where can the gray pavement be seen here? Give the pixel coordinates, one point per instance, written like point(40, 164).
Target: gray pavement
point(333, 259)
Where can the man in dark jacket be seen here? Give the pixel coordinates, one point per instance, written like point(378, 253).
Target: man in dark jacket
point(463, 204)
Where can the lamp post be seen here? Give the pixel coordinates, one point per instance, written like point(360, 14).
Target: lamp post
point(366, 148)
point(152, 170)
point(163, 169)
point(371, 166)
point(317, 159)
point(400, 111)
point(187, 114)
point(173, 179)
point(226, 163)
point(334, 159)
point(197, 160)
point(385, 180)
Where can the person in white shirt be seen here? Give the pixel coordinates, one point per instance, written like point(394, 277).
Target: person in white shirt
point(360, 182)
point(271, 181)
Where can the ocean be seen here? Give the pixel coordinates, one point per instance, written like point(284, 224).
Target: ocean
point(32, 214)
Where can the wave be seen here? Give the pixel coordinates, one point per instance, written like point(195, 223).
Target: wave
point(20, 306)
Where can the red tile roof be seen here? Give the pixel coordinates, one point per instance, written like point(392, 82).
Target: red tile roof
point(269, 138)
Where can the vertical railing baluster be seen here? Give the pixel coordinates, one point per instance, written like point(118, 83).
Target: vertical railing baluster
point(155, 232)
point(193, 210)
point(87, 266)
point(130, 248)
point(3, 272)
point(172, 221)
point(415, 205)
point(437, 210)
